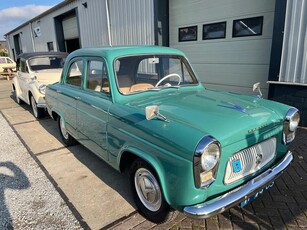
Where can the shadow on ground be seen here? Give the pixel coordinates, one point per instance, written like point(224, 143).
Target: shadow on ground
point(12, 178)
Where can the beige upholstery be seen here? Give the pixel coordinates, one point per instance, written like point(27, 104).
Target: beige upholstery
point(124, 83)
point(94, 85)
point(140, 86)
point(105, 85)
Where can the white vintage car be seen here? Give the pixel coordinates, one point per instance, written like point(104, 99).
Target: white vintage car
point(7, 63)
point(35, 71)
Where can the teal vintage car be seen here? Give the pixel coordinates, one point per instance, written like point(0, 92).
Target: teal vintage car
point(186, 147)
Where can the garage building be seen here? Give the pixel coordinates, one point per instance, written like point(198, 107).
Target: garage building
point(231, 43)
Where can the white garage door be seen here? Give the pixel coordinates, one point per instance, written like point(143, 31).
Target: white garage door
point(227, 41)
point(70, 27)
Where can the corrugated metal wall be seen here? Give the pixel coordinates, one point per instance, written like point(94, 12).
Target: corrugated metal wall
point(294, 52)
point(93, 23)
point(132, 22)
point(232, 64)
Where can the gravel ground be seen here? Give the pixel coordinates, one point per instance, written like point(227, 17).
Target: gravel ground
point(28, 200)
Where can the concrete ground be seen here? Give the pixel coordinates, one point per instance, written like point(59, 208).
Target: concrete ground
point(100, 198)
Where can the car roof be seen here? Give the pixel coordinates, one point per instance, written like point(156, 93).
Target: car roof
point(38, 54)
point(117, 51)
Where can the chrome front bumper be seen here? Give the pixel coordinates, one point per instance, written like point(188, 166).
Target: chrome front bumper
point(234, 197)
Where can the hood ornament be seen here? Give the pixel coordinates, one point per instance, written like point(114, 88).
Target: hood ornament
point(152, 112)
point(256, 87)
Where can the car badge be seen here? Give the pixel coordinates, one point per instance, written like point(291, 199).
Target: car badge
point(236, 166)
point(259, 158)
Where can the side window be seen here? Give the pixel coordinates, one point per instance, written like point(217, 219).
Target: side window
point(2, 60)
point(74, 75)
point(97, 79)
point(9, 60)
point(23, 66)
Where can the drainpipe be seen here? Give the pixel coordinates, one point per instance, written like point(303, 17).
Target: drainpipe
point(108, 22)
point(32, 38)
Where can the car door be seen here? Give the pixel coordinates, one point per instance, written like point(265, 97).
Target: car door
point(68, 94)
point(24, 79)
point(93, 107)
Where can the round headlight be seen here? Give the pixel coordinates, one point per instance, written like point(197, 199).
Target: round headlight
point(294, 121)
point(210, 156)
point(42, 89)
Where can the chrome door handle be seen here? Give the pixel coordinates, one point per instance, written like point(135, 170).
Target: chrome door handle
point(77, 98)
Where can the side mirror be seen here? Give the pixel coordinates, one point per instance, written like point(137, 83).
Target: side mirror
point(256, 87)
point(152, 112)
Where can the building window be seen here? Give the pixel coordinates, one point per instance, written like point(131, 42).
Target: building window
point(50, 46)
point(247, 27)
point(188, 34)
point(214, 30)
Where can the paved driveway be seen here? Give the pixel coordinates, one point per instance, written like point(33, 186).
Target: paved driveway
point(100, 197)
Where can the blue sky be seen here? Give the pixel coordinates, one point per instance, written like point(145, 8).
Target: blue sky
point(16, 12)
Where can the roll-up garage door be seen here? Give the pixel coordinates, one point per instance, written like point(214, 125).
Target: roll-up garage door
point(70, 27)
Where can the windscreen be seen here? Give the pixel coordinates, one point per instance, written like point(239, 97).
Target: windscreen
point(151, 72)
point(43, 63)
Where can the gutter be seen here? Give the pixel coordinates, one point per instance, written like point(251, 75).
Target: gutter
point(52, 9)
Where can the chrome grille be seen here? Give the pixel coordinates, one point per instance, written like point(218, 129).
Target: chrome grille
point(250, 160)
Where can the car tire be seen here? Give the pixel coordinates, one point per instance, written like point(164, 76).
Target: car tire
point(151, 203)
point(37, 112)
point(66, 137)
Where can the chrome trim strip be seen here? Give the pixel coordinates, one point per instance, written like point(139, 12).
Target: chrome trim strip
point(234, 197)
point(41, 106)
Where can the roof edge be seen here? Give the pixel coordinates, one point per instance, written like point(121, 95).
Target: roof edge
point(52, 9)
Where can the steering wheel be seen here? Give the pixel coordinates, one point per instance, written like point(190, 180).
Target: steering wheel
point(168, 76)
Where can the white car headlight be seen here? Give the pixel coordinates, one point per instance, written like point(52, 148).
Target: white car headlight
point(206, 161)
point(210, 156)
point(291, 123)
point(42, 89)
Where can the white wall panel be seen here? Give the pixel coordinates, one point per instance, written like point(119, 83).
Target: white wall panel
point(25, 39)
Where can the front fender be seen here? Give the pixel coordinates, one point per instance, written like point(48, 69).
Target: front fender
point(38, 96)
point(175, 175)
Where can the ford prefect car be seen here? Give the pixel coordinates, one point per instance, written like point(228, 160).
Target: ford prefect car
point(187, 148)
point(34, 71)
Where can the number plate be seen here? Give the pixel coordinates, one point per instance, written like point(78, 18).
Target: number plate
point(257, 194)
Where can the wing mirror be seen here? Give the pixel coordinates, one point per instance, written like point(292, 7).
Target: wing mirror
point(152, 112)
point(256, 87)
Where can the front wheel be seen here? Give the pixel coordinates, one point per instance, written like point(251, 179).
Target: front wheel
point(38, 112)
point(148, 194)
point(66, 137)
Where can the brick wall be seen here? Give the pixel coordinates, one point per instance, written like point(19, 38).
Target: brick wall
point(291, 95)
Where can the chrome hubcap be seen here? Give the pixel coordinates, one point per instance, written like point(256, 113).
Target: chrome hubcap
point(63, 129)
point(34, 106)
point(148, 189)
